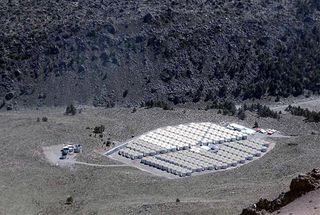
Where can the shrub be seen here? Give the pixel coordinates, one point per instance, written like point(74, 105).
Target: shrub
point(241, 114)
point(69, 200)
point(228, 108)
point(99, 129)
point(160, 104)
point(125, 93)
point(108, 143)
point(310, 116)
point(263, 111)
point(71, 109)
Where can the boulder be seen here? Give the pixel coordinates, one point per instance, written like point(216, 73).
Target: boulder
point(9, 107)
point(148, 18)
point(315, 173)
point(300, 185)
point(110, 28)
point(9, 96)
point(303, 183)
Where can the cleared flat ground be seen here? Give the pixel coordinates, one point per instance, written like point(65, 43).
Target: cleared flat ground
point(29, 184)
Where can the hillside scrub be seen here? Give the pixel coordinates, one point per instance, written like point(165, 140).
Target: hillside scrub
point(310, 116)
point(262, 110)
point(128, 52)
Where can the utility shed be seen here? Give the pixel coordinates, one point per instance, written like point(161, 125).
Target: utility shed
point(242, 128)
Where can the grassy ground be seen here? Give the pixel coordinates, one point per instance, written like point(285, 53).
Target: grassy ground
point(31, 185)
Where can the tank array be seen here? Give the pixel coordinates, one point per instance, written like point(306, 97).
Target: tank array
point(182, 150)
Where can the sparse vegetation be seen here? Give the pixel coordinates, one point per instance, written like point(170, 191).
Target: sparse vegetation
point(228, 108)
point(69, 200)
point(310, 116)
point(125, 93)
point(252, 61)
point(241, 114)
point(263, 111)
point(160, 104)
point(99, 129)
point(71, 110)
point(108, 143)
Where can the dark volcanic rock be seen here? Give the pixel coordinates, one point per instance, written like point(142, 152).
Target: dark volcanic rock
point(252, 211)
point(9, 96)
point(147, 18)
point(300, 185)
point(2, 104)
point(9, 106)
point(75, 51)
point(167, 74)
point(304, 183)
point(110, 28)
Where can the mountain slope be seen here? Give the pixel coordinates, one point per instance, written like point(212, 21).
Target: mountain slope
point(126, 52)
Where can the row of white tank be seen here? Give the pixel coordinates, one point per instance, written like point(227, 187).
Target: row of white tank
point(183, 137)
point(137, 148)
point(179, 150)
point(197, 159)
point(165, 166)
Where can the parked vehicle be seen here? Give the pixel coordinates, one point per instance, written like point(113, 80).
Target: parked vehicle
point(71, 149)
point(77, 148)
point(271, 131)
point(65, 151)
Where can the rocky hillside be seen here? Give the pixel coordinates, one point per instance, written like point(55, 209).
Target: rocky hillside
point(299, 186)
point(107, 52)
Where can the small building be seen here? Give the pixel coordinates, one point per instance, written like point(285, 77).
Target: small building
point(242, 128)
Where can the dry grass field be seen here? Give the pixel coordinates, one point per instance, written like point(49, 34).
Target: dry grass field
point(29, 184)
